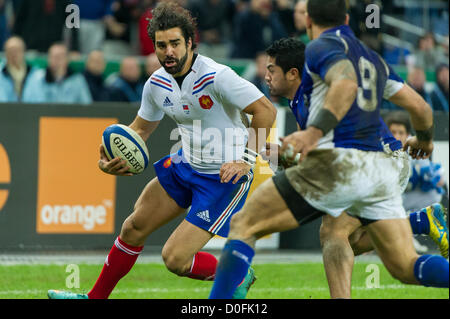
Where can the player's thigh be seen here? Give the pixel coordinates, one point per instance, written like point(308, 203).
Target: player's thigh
point(393, 242)
point(186, 240)
point(263, 213)
point(153, 209)
point(341, 226)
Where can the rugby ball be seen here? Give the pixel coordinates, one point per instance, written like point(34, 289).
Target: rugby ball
point(121, 141)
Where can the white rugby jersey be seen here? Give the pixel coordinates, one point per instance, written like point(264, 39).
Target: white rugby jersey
point(206, 110)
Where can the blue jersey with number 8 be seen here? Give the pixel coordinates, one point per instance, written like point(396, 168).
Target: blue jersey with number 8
point(361, 127)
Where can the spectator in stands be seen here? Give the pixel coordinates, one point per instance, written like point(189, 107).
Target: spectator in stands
point(127, 87)
point(427, 55)
point(260, 74)
point(151, 64)
point(285, 10)
point(255, 28)
point(146, 44)
point(58, 83)
point(94, 15)
point(416, 79)
point(40, 23)
point(439, 95)
point(4, 32)
point(118, 37)
point(214, 22)
point(300, 21)
point(17, 78)
point(93, 73)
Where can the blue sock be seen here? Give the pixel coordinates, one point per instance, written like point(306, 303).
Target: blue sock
point(419, 223)
point(432, 271)
point(232, 268)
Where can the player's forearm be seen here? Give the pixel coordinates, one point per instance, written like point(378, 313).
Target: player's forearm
point(143, 127)
point(420, 112)
point(262, 122)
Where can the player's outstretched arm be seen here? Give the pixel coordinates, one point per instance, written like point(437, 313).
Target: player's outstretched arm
point(117, 166)
point(421, 145)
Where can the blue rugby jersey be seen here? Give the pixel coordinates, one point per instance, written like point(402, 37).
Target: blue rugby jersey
point(300, 111)
point(361, 127)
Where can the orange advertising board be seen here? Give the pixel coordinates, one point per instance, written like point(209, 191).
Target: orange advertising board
point(5, 176)
point(73, 195)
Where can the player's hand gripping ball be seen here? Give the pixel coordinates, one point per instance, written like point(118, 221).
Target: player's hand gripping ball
point(121, 141)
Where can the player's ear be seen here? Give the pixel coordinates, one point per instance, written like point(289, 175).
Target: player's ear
point(293, 74)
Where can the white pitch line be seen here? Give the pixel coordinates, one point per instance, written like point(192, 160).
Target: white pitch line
point(206, 289)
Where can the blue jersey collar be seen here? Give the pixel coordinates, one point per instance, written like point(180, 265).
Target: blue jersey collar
point(345, 29)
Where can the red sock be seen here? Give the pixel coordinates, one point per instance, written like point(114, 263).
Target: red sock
point(203, 266)
point(120, 260)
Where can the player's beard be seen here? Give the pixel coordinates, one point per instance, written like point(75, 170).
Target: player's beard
point(177, 67)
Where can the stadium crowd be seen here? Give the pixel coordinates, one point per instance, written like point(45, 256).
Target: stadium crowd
point(116, 30)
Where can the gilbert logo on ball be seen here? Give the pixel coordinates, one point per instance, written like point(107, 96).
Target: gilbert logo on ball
point(121, 141)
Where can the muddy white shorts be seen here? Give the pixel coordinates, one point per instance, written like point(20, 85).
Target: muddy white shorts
point(364, 184)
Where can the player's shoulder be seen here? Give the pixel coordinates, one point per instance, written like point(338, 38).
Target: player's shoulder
point(205, 66)
point(159, 80)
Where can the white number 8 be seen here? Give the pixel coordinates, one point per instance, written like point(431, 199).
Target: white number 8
point(369, 83)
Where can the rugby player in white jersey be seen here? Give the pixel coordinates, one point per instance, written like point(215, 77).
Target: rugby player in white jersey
point(343, 166)
point(211, 173)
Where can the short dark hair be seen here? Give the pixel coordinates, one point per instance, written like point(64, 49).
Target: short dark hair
point(168, 15)
point(400, 118)
point(327, 13)
point(289, 53)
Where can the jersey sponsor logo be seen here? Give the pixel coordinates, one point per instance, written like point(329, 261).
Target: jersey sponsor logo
point(206, 102)
point(186, 108)
point(5, 176)
point(167, 102)
point(204, 215)
point(71, 200)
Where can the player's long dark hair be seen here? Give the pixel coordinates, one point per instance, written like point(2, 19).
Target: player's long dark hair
point(289, 53)
point(168, 15)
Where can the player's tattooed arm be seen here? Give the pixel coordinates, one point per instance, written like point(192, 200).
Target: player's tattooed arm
point(342, 70)
point(343, 86)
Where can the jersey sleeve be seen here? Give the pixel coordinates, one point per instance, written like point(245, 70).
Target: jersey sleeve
point(235, 90)
point(394, 83)
point(149, 111)
point(322, 53)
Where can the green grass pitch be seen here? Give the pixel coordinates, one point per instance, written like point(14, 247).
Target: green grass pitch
point(153, 281)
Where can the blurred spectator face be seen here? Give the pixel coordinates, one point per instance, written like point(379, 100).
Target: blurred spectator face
point(130, 69)
point(427, 42)
point(152, 64)
point(275, 78)
point(416, 78)
point(95, 63)
point(399, 132)
point(300, 15)
point(442, 77)
point(15, 52)
point(261, 65)
point(172, 49)
point(262, 7)
point(58, 59)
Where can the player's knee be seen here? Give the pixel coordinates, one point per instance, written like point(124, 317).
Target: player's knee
point(331, 235)
point(174, 263)
point(132, 232)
